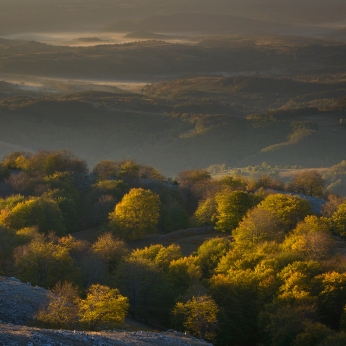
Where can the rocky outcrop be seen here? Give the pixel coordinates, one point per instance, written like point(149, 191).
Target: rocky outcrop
point(19, 302)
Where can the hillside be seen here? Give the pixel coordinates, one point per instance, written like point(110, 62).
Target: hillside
point(19, 302)
point(213, 129)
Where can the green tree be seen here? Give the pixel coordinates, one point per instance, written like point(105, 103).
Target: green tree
point(231, 208)
point(339, 220)
point(184, 272)
point(210, 253)
point(280, 323)
point(231, 314)
point(206, 213)
point(142, 281)
point(313, 334)
point(103, 305)
point(288, 209)
point(136, 214)
point(158, 254)
point(200, 316)
point(332, 297)
point(44, 264)
point(41, 212)
point(11, 201)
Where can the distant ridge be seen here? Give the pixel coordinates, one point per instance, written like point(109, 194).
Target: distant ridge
point(148, 35)
point(199, 22)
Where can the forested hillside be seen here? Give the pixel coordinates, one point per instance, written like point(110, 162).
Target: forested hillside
point(183, 130)
point(272, 252)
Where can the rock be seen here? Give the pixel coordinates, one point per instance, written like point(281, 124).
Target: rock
point(19, 302)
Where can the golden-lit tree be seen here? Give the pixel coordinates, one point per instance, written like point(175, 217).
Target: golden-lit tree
point(200, 316)
point(103, 305)
point(136, 214)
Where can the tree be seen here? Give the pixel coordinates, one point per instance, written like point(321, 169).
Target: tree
point(259, 225)
point(210, 253)
point(146, 286)
point(231, 314)
point(158, 254)
point(195, 185)
point(288, 209)
point(312, 335)
point(184, 272)
point(329, 208)
point(231, 208)
point(136, 214)
point(339, 220)
point(308, 183)
point(110, 249)
point(49, 162)
point(200, 316)
point(206, 213)
point(106, 169)
point(67, 206)
point(44, 264)
point(103, 305)
point(102, 198)
point(62, 310)
point(189, 178)
point(332, 298)
point(311, 238)
point(41, 212)
point(281, 323)
point(172, 214)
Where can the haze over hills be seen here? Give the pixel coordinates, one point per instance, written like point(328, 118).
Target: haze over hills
point(61, 15)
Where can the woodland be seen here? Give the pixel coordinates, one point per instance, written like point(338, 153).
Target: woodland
point(271, 271)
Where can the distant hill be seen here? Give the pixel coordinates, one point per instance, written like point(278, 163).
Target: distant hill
point(173, 143)
point(339, 34)
point(199, 22)
point(88, 39)
point(148, 35)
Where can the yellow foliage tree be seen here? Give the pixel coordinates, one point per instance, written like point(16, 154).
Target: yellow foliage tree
point(339, 220)
point(136, 214)
point(103, 305)
point(200, 316)
point(288, 209)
